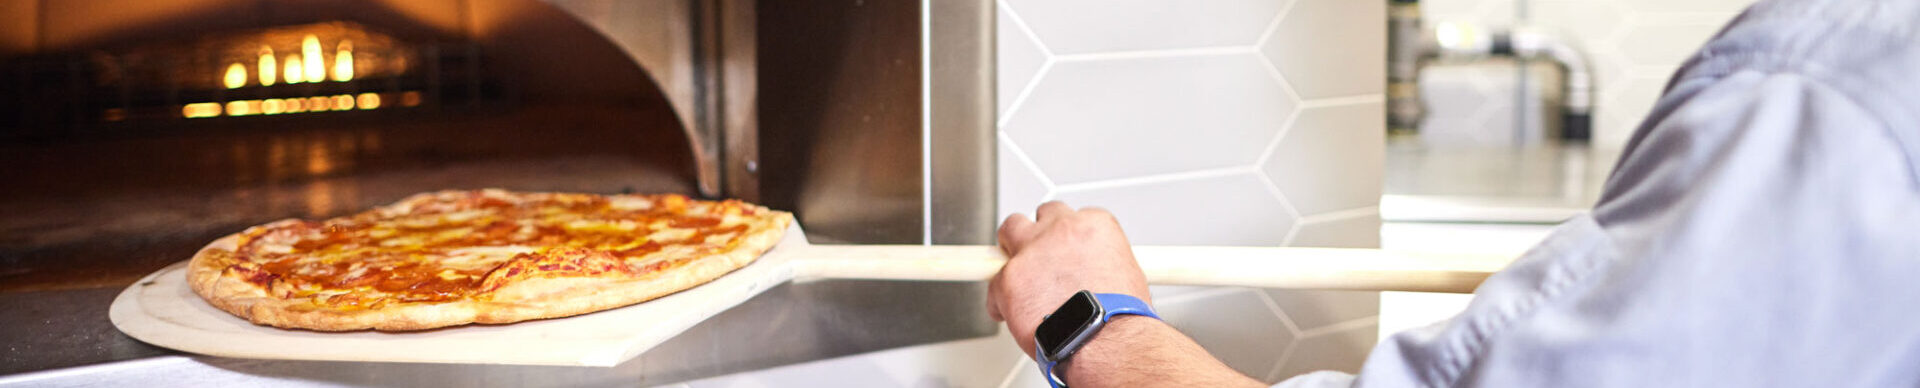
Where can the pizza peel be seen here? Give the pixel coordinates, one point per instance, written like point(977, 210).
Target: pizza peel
point(161, 310)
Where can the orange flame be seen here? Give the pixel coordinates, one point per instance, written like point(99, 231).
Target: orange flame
point(316, 67)
point(369, 101)
point(269, 68)
point(294, 75)
point(236, 76)
point(343, 62)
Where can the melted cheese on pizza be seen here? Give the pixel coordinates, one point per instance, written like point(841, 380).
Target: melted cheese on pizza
point(450, 245)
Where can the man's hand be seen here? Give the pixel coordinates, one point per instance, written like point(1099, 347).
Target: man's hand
point(1062, 252)
point(1066, 251)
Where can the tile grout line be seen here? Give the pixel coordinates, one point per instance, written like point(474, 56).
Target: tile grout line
point(1286, 127)
point(1292, 329)
point(1274, 189)
point(1344, 100)
point(1292, 233)
point(1045, 66)
point(1273, 71)
point(1285, 356)
point(1341, 215)
point(1266, 34)
point(1021, 23)
point(1286, 206)
point(1020, 100)
point(1157, 178)
point(1159, 53)
point(1191, 296)
point(1356, 323)
point(1020, 154)
point(1018, 364)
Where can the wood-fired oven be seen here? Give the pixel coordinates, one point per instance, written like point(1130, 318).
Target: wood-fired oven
point(134, 131)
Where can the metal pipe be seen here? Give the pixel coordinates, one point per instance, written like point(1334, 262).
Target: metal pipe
point(1412, 47)
point(1576, 76)
point(1407, 44)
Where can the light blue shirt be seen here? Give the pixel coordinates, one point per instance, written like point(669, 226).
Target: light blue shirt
point(1762, 229)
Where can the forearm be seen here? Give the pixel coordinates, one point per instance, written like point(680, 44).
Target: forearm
point(1138, 351)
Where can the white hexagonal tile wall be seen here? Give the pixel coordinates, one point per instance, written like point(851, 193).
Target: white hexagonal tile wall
point(1316, 163)
point(1118, 115)
point(1354, 231)
point(1021, 190)
point(1089, 26)
point(1234, 209)
point(1018, 59)
point(1094, 120)
point(1311, 310)
point(1329, 351)
point(1237, 327)
point(1027, 375)
point(1314, 49)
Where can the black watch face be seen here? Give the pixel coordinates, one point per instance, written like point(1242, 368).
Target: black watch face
point(1065, 323)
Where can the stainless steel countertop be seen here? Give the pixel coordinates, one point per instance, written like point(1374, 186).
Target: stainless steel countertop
point(1533, 184)
point(62, 328)
point(67, 341)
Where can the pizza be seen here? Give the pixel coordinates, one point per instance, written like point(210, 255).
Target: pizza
point(489, 256)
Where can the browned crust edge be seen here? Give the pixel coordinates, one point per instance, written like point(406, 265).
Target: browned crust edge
point(538, 298)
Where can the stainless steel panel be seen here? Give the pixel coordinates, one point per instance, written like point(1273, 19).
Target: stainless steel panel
point(53, 329)
point(864, 142)
point(840, 119)
point(675, 42)
point(961, 112)
point(739, 98)
point(787, 324)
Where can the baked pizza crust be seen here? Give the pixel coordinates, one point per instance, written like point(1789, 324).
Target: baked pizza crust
point(523, 300)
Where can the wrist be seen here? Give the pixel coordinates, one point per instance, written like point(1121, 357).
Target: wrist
point(1106, 347)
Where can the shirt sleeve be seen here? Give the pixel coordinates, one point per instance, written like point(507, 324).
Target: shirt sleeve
point(1758, 231)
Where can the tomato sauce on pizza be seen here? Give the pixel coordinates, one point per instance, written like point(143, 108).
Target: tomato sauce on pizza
point(459, 250)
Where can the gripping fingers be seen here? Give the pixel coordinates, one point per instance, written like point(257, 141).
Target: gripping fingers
point(1014, 233)
point(1051, 210)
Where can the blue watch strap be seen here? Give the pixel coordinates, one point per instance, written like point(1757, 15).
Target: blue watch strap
point(1113, 304)
point(1117, 304)
point(1046, 368)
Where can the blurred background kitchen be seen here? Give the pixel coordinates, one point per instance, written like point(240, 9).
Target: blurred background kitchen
point(1437, 125)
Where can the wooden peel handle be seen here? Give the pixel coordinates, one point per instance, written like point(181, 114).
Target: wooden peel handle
point(1268, 267)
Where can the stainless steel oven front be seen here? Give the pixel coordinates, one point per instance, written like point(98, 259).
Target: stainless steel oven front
point(137, 130)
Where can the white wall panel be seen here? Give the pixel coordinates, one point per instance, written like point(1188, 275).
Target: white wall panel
point(1200, 123)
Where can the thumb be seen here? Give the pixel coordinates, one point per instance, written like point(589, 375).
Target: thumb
point(993, 297)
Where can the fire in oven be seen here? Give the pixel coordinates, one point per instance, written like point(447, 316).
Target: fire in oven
point(333, 67)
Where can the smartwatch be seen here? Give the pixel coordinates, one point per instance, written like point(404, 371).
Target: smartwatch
point(1073, 324)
